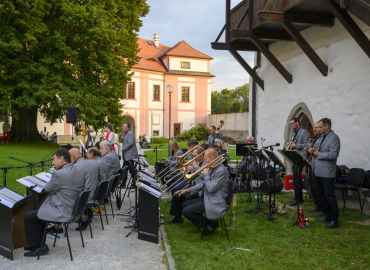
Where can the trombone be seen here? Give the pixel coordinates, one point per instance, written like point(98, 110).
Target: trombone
point(187, 152)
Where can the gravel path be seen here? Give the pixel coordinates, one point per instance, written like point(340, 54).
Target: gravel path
point(109, 249)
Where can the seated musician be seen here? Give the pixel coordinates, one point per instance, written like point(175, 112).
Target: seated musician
point(64, 187)
point(93, 175)
point(93, 153)
point(191, 144)
point(215, 190)
point(214, 135)
point(172, 169)
point(176, 209)
point(110, 157)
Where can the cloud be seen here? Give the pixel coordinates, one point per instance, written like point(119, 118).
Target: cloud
point(198, 22)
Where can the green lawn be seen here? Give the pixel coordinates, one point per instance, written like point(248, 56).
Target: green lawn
point(30, 152)
point(273, 246)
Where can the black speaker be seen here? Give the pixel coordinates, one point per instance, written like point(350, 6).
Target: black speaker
point(72, 115)
point(268, 186)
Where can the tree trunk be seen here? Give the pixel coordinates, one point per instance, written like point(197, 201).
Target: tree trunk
point(25, 128)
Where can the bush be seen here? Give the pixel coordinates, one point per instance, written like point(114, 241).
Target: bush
point(200, 131)
point(160, 140)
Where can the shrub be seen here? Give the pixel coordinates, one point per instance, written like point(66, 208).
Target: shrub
point(160, 140)
point(200, 131)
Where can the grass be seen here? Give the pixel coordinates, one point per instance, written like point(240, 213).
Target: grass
point(273, 246)
point(30, 152)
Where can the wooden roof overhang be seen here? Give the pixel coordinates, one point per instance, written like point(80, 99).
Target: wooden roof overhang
point(253, 25)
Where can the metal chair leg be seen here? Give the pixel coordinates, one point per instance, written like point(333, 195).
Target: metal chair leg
point(42, 240)
point(110, 200)
point(69, 245)
point(90, 228)
point(359, 199)
point(82, 238)
point(363, 204)
point(56, 235)
point(105, 211)
point(101, 220)
point(227, 234)
point(344, 200)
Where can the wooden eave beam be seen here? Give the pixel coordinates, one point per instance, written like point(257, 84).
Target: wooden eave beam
point(296, 19)
point(273, 36)
point(298, 38)
point(350, 25)
point(250, 47)
point(259, 44)
point(250, 70)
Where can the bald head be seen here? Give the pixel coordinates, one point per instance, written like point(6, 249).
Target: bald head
point(75, 154)
point(210, 155)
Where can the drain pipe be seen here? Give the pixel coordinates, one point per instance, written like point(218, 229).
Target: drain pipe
point(254, 96)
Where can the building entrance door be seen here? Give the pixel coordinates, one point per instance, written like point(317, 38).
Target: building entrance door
point(177, 129)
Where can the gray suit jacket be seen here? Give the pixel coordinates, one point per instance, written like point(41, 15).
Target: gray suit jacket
point(129, 151)
point(199, 183)
point(303, 137)
point(64, 187)
point(325, 164)
point(216, 189)
point(210, 139)
point(91, 173)
point(104, 167)
point(113, 162)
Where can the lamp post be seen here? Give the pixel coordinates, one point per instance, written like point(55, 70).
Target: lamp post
point(151, 127)
point(169, 90)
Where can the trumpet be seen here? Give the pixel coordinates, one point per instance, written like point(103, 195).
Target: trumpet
point(290, 143)
point(305, 149)
point(316, 148)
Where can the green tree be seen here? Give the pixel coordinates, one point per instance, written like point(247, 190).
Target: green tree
point(55, 54)
point(229, 101)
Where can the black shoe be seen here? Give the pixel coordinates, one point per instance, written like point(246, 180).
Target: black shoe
point(84, 225)
point(294, 203)
point(315, 210)
point(54, 230)
point(106, 200)
point(324, 220)
point(176, 220)
point(333, 224)
point(320, 214)
point(169, 201)
point(28, 248)
point(35, 252)
point(207, 230)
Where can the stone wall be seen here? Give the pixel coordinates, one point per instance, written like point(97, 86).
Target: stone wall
point(236, 125)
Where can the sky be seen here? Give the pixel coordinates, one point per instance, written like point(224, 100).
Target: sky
point(198, 22)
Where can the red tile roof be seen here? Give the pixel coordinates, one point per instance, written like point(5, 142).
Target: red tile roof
point(151, 56)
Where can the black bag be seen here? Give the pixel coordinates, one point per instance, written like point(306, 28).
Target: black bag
point(366, 183)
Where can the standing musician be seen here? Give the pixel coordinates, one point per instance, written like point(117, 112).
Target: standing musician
point(247, 164)
point(313, 179)
point(172, 163)
point(129, 151)
point(92, 177)
point(299, 140)
point(65, 185)
point(214, 135)
point(215, 189)
point(110, 135)
point(325, 169)
point(176, 209)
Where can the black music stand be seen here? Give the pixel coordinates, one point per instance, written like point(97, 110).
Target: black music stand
point(295, 158)
point(276, 161)
point(246, 152)
point(262, 158)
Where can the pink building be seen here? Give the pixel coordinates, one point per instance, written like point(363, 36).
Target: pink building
point(147, 101)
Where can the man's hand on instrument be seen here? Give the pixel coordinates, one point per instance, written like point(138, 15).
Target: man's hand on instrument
point(310, 150)
point(292, 145)
point(177, 193)
point(165, 160)
point(205, 171)
point(316, 153)
point(183, 192)
point(137, 183)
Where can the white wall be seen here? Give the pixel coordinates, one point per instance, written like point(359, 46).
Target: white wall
point(187, 119)
point(157, 115)
point(56, 127)
point(195, 65)
point(342, 96)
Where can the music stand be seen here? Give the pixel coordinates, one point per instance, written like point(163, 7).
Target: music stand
point(246, 152)
point(262, 158)
point(295, 158)
point(276, 161)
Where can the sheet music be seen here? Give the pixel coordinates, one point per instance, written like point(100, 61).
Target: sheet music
point(151, 190)
point(144, 176)
point(51, 170)
point(44, 176)
point(153, 185)
point(30, 181)
point(9, 198)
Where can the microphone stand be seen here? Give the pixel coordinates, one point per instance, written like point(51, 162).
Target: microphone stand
point(136, 225)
